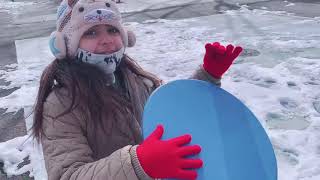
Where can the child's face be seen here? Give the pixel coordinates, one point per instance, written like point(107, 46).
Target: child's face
point(101, 39)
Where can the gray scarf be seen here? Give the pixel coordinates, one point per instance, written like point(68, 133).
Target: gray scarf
point(107, 62)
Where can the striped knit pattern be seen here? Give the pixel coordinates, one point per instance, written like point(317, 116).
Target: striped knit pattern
point(65, 20)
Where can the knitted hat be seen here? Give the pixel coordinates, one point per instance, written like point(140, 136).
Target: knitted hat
point(75, 17)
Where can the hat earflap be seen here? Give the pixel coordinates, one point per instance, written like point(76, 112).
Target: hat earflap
point(57, 45)
point(131, 38)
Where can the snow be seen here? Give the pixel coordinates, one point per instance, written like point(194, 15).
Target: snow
point(277, 77)
point(13, 152)
point(13, 147)
point(290, 4)
point(126, 6)
point(13, 7)
point(140, 5)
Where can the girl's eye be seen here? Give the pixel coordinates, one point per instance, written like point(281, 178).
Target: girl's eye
point(113, 30)
point(90, 33)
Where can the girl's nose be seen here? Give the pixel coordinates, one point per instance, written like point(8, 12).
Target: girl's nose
point(105, 38)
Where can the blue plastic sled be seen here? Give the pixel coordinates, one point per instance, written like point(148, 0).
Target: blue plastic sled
point(234, 144)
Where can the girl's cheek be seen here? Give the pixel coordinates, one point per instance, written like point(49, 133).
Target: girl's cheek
point(88, 44)
point(119, 42)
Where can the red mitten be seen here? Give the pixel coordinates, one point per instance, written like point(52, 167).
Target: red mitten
point(168, 159)
point(218, 59)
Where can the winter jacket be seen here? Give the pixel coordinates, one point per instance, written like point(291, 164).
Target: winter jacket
point(67, 142)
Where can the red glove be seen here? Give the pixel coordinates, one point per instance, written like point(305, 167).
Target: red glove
point(167, 159)
point(218, 59)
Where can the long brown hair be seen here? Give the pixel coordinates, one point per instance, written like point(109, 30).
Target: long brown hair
point(87, 86)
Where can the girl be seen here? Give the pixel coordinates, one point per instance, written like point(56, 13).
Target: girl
point(91, 98)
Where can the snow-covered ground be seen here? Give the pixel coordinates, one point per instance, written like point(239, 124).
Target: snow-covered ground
point(140, 5)
point(277, 76)
point(125, 6)
point(13, 7)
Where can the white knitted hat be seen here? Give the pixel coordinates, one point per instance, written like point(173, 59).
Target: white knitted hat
point(75, 17)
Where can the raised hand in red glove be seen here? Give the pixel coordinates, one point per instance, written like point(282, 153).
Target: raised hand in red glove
point(167, 159)
point(218, 59)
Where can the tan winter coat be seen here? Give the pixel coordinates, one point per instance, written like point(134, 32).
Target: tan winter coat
point(67, 147)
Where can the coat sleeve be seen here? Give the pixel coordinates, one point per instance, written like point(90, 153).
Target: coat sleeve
point(202, 74)
point(68, 155)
